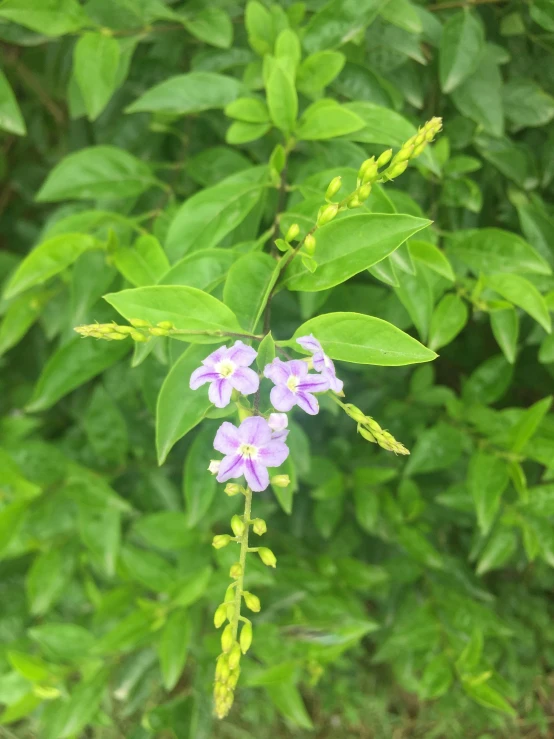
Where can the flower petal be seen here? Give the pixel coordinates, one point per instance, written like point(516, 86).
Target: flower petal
point(313, 384)
point(256, 475)
point(215, 357)
point(298, 368)
point(273, 454)
point(231, 466)
point(278, 371)
point(202, 375)
point(334, 383)
point(308, 403)
point(280, 435)
point(255, 431)
point(282, 399)
point(310, 343)
point(241, 354)
point(277, 421)
point(227, 438)
point(220, 392)
point(245, 380)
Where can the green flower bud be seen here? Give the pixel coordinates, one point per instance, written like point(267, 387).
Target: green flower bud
point(236, 571)
point(292, 233)
point(232, 488)
point(137, 336)
point(229, 594)
point(396, 169)
point(114, 336)
point(419, 149)
point(165, 324)
point(364, 192)
point(327, 213)
point(310, 243)
point(267, 556)
point(372, 424)
point(159, 331)
point(280, 481)
point(227, 640)
point(367, 435)
point(234, 656)
point(333, 188)
point(124, 329)
point(220, 541)
point(246, 637)
point(233, 679)
point(139, 323)
point(355, 413)
point(96, 335)
point(229, 610)
point(404, 155)
point(222, 670)
point(353, 201)
point(220, 615)
point(237, 524)
point(370, 172)
point(252, 601)
point(385, 158)
point(367, 165)
point(259, 526)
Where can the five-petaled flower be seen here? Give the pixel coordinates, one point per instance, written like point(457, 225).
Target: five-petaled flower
point(321, 362)
point(225, 370)
point(294, 386)
point(249, 450)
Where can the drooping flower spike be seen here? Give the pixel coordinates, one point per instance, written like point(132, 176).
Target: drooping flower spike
point(249, 450)
point(321, 362)
point(294, 386)
point(227, 369)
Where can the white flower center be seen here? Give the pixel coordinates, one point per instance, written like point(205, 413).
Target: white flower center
point(248, 451)
point(225, 368)
point(292, 383)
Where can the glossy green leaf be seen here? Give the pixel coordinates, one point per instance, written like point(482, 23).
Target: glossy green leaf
point(489, 381)
point(289, 703)
point(319, 122)
point(248, 286)
point(318, 70)
point(487, 479)
point(432, 257)
point(414, 292)
point(47, 579)
point(19, 318)
point(337, 21)
point(212, 25)
point(522, 293)
point(282, 99)
point(487, 696)
point(11, 119)
point(479, 97)
point(96, 60)
point(203, 269)
point(526, 427)
point(62, 641)
point(461, 48)
point(188, 93)
point(142, 264)
point(49, 17)
point(505, 327)
point(494, 250)
point(448, 319)
point(437, 677)
point(437, 448)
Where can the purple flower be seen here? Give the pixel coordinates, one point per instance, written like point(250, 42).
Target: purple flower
point(249, 450)
point(294, 386)
point(278, 423)
point(226, 369)
point(321, 361)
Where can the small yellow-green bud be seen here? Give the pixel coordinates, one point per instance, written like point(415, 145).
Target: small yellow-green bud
point(222, 668)
point(165, 324)
point(104, 328)
point(236, 571)
point(252, 601)
point(246, 637)
point(114, 336)
point(419, 149)
point(333, 188)
point(355, 413)
point(267, 556)
point(310, 243)
point(404, 155)
point(237, 524)
point(364, 192)
point(124, 329)
point(234, 656)
point(373, 425)
point(280, 481)
point(137, 336)
point(229, 610)
point(367, 167)
point(229, 594)
point(220, 615)
point(233, 678)
point(95, 335)
point(353, 201)
point(385, 158)
point(139, 323)
point(220, 541)
point(396, 169)
point(227, 640)
point(233, 488)
point(292, 233)
point(327, 213)
point(367, 435)
point(259, 526)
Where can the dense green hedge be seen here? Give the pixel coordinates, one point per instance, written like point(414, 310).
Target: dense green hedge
point(175, 177)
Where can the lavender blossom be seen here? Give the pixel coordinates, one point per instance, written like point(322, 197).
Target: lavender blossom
point(249, 450)
point(321, 362)
point(294, 386)
point(278, 423)
point(226, 369)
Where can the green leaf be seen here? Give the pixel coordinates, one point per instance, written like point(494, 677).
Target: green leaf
point(248, 286)
point(195, 313)
point(100, 531)
point(403, 14)
point(505, 328)
point(488, 697)
point(204, 269)
point(48, 17)
point(546, 351)
point(362, 339)
point(437, 677)
point(82, 706)
point(318, 70)
point(188, 93)
point(62, 641)
point(11, 119)
point(542, 12)
point(179, 408)
point(282, 99)
point(165, 530)
point(48, 259)
point(240, 132)
point(21, 708)
point(469, 659)
point(266, 351)
point(461, 47)
point(19, 318)
point(11, 518)
point(326, 121)
point(487, 479)
point(173, 647)
point(199, 486)
point(448, 319)
point(494, 250)
point(72, 365)
point(414, 292)
point(526, 427)
point(527, 104)
point(489, 381)
point(338, 21)
point(250, 110)
point(96, 172)
point(142, 264)
point(105, 427)
point(288, 701)
point(212, 25)
point(522, 293)
point(208, 216)
point(437, 448)
point(47, 579)
point(259, 26)
point(350, 245)
point(480, 96)
point(432, 257)
point(148, 568)
point(96, 59)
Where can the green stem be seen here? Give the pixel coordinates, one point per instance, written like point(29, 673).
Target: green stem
point(242, 560)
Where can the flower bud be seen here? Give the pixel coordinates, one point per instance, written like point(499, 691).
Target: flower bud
point(246, 637)
point(236, 571)
point(396, 169)
point(220, 541)
point(124, 329)
point(353, 201)
point(233, 678)
point(419, 149)
point(237, 524)
point(404, 155)
point(159, 331)
point(222, 668)
point(333, 188)
point(114, 336)
point(165, 324)
point(280, 481)
point(229, 610)
point(385, 158)
point(233, 488)
point(368, 170)
point(229, 594)
point(214, 466)
point(259, 526)
point(364, 192)
point(220, 615)
point(367, 435)
point(227, 640)
point(355, 413)
point(327, 213)
point(234, 656)
point(277, 421)
point(252, 601)
point(310, 243)
point(136, 336)
point(96, 335)
point(267, 556)
point(139, 323)
point(292, 233)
